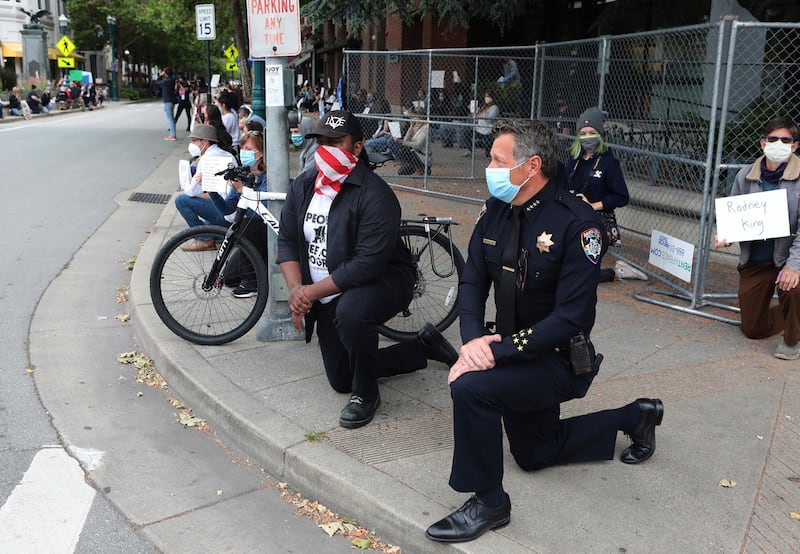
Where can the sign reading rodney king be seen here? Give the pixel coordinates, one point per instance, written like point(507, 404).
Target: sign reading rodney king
point(274, 28)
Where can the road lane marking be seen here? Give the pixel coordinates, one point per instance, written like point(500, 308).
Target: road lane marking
point(47, 509)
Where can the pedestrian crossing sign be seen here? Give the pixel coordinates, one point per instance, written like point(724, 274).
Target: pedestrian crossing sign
point(67, 63)
point(65, 46)
point(231, 52)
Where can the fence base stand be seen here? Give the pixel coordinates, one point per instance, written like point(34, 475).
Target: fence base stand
point(641, 296)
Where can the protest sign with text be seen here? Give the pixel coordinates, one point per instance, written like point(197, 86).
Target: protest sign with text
point(756, 216)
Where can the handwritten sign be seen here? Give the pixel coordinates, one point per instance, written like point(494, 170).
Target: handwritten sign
point(209, 166)
point(757, 216)
point(672, 255)
point(184, 174)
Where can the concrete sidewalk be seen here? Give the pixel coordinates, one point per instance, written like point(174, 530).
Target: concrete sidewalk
point(732, 412)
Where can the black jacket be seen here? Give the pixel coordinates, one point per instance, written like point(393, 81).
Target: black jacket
point(363, 229)
point(565, 242)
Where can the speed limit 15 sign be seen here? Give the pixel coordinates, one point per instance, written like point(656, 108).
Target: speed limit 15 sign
point(206, 25)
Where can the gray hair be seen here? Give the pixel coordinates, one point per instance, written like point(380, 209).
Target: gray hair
point(531, 138)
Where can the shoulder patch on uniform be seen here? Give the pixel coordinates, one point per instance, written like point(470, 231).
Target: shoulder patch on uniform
point(592, 244)
point(483, 211)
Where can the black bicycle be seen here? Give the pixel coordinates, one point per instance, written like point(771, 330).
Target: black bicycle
point(192, 291)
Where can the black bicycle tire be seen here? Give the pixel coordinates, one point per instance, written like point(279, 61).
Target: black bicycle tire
point(451, 312)
point(200, 265)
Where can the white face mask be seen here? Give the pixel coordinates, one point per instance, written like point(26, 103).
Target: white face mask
point(487, 99)
point(777, 152)
point(194, 150)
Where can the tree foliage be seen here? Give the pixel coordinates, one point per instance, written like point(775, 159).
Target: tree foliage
point(158, 32)
point(357, 14)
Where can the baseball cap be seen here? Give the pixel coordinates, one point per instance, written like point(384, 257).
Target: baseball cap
point(337, 124)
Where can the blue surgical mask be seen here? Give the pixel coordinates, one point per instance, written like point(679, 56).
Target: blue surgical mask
point(297, 140)
point(248, 158)
point(498, 180)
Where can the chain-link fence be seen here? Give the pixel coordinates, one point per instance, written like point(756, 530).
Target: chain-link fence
point(685, 107)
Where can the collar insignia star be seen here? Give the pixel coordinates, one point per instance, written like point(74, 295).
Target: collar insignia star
point(544, 242)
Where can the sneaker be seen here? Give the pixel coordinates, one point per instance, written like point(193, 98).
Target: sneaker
point(786, 352)
point(245, 290)
point(358, 412)
point(171, 137)
point(624, 270)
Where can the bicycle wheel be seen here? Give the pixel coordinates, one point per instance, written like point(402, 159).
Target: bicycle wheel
point(212, 316)
point(434, 298)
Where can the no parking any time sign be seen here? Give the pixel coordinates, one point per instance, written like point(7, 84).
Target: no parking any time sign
point(274, 28)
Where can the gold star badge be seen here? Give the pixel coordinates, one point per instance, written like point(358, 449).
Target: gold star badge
point(544, 242)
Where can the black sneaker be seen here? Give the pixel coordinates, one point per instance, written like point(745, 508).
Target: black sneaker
point(245, 290)
point(358, 412)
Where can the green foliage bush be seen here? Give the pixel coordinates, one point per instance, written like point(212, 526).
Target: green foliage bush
point(129, 93)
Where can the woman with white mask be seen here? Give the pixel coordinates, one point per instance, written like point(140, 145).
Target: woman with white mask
point(763, 264)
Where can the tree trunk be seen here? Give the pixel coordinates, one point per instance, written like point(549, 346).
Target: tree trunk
point(241, 45)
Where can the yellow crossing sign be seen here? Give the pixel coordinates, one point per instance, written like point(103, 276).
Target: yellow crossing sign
point(68, 63)
point(231, 52)
point(65, 46)
point(231, 66)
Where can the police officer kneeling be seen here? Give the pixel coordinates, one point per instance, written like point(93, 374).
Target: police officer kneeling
point(541, 249)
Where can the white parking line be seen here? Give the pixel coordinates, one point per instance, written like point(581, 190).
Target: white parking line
point(47, 509)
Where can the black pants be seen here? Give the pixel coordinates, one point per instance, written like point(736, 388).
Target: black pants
point(526, 397)
point(184, 106)
point(347, 328)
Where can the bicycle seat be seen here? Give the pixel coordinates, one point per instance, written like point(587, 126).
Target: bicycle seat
point(377, 159)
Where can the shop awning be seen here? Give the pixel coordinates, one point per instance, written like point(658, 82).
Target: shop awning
point(304, 56)
point(12, 49)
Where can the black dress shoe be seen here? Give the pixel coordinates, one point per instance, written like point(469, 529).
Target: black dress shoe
point(358, 412)
point(470, 521)
point(644, 434)
point(436, 346)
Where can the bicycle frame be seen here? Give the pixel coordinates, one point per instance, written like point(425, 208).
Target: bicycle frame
point(249, 199)
point(442, 228)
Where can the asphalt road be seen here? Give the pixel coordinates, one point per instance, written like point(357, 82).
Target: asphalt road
point(90, 459)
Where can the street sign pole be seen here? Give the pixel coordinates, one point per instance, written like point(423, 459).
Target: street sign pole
point(206, 27)
point(274, 35)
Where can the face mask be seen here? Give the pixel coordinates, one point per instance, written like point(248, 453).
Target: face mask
point(248, 158)
point(487, 99)
point(777, 152)
point(590, 142)
point(194, 150)
point(297, 140)
point(498, 180)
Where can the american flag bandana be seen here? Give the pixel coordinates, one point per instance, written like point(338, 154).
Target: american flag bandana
point(333, 167)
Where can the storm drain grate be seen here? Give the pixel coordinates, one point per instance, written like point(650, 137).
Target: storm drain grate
point(393, 440)
point(150, 197)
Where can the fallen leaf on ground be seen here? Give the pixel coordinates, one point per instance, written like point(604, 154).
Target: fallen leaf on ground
point(760, 437)
point(727, 483)
point(177, 403)
point(363, 544)
point(121, 297)
point(140, 394)
point(219, 492)
point(794, 515)
point(123, 317)
point(102, 317)
point(332, 528)
point(187, 419)
point(29, 370)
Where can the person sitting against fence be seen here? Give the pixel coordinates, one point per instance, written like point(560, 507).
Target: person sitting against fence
point(594, 174)
point(193, 203)
point(14, 103)
point(765, 264)
point(347, 269)
point(382, 140)
point(414, 147)
point(484, 119)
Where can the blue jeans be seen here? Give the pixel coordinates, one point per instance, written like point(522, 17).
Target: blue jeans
point(169, 110)
point(383, 143)
point(15, 111)
point(199, 211)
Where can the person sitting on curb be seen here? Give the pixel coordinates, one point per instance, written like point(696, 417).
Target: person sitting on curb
point(34, 102)
point(360, 278)
point(14, 103)
point(540, 250)
point(765, 264)
point(193, 204)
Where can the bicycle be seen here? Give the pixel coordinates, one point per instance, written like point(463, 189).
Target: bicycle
point(188, 287)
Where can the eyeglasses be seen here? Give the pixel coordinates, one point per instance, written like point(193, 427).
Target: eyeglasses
point(784, 140)
point(522, 269)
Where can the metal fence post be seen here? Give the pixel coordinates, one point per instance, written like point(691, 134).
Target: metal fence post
point(603, 70)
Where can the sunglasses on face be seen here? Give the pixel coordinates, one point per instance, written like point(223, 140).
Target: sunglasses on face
point(784, 140)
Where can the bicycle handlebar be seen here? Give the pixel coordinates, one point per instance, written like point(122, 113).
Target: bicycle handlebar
point(432, 219)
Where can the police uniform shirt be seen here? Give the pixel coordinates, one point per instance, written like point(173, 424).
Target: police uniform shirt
point(560, 248)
